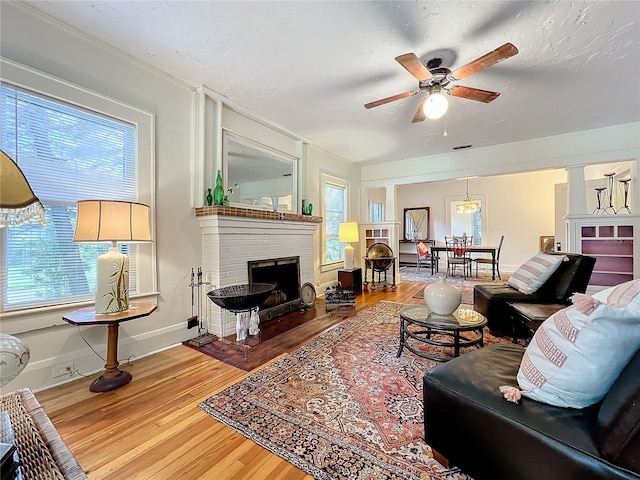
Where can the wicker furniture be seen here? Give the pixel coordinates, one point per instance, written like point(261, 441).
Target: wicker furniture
point(41, 451)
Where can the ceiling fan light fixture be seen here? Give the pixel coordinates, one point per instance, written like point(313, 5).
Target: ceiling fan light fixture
point(435, 106)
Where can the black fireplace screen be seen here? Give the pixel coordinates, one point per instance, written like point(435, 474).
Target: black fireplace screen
point(284, 273)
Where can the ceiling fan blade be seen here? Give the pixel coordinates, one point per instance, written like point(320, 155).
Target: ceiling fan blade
point(473, 94)
point(420, 116)
point(414, 66)
point(499, 54)
point(390, 99)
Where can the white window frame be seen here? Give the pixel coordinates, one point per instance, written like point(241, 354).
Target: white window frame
point(325, 179)
point(452, 201)
point(373, 204)
point(40, 83)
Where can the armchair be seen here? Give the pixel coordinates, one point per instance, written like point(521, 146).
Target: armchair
point(493, 300)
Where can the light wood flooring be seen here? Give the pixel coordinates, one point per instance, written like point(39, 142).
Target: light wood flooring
point(153, 428)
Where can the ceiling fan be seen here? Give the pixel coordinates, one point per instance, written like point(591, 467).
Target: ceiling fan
point(435, 79)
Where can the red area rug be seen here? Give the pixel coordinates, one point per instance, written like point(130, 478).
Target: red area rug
point(342, 406)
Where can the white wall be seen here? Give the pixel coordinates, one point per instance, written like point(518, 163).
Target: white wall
point(318, 162)
point(45, 45)
point(32, 41)
point(617, 143)
point(519, 206)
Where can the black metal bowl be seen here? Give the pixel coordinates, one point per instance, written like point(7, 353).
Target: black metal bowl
point(241, 298)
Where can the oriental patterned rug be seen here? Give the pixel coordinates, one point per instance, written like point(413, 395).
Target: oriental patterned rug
point(342, 406)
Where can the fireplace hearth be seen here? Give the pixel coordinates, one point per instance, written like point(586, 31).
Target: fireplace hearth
point(284, 273)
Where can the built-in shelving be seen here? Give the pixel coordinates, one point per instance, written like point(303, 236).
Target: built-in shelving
point(612, 244)
point(376, 235)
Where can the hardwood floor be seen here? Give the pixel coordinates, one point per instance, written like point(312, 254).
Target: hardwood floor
point(152, 428)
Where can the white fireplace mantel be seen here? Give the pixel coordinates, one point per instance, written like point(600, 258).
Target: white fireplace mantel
point(232, 236)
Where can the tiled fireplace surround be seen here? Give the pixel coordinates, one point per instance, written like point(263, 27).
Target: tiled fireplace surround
point(232, 236)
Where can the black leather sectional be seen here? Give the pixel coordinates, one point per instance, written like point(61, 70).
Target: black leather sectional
point(467, 421)
point(493, 300)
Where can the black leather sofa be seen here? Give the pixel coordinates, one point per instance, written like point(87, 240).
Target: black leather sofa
point(469, 423)
point(492, 300)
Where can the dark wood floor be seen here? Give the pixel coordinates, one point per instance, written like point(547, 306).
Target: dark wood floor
point(286, 333)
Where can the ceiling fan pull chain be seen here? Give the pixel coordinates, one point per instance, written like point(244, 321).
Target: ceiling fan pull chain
point(445, 125)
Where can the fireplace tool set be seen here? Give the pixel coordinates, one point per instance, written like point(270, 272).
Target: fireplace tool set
point(195, 319)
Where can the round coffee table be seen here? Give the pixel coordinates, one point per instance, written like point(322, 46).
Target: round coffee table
point(419, 323)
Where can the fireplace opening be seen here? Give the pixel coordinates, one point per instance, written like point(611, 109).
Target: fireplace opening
point(284, 273)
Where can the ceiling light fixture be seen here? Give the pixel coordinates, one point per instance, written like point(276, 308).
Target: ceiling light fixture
point(436, 104)
point(468, 205)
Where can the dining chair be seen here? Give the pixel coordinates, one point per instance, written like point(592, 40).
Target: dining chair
point(458, 253)
point(424, 257)
point(490, 261)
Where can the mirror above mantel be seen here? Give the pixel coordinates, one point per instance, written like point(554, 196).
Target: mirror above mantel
point(416, 224)
point(258, 176)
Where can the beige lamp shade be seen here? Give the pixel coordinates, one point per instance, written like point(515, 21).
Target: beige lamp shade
point(348, 232)
point(112, 221)
point(18, 203)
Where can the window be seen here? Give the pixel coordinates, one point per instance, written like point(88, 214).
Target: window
point(376, 212)
point(467, 223)
point(67, 153)
point(334, 212)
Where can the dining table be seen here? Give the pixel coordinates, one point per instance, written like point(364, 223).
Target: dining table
point(491, 249)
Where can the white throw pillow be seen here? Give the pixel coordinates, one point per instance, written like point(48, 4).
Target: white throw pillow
point(574, 358)
point(534, 272)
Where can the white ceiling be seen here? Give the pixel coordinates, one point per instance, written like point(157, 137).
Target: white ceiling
point(311, 66)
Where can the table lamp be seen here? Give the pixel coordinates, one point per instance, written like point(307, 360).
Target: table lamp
point(347, 233)
point(18, 205)
point(113, 221)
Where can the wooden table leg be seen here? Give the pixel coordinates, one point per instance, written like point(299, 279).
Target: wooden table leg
point(113, 377)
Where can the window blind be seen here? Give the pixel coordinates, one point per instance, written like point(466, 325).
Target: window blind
point(67, 153)
point(335, 212)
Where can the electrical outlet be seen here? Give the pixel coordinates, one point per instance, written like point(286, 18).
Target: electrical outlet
point(62, 370)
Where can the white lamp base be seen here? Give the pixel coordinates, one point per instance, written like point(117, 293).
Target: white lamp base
point(349, 257)
point(112, 288)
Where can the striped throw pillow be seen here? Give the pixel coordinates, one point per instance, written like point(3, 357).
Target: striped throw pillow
point(534, 272)
point(574, 357)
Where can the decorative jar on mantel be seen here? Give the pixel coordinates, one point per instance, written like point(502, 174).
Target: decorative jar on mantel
point(442, 298)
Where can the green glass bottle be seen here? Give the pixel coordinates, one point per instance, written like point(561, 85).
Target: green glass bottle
point(209, 197)
point(218, 193)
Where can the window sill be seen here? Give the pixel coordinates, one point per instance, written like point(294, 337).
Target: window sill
point(27, 320)
point(331, 267)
